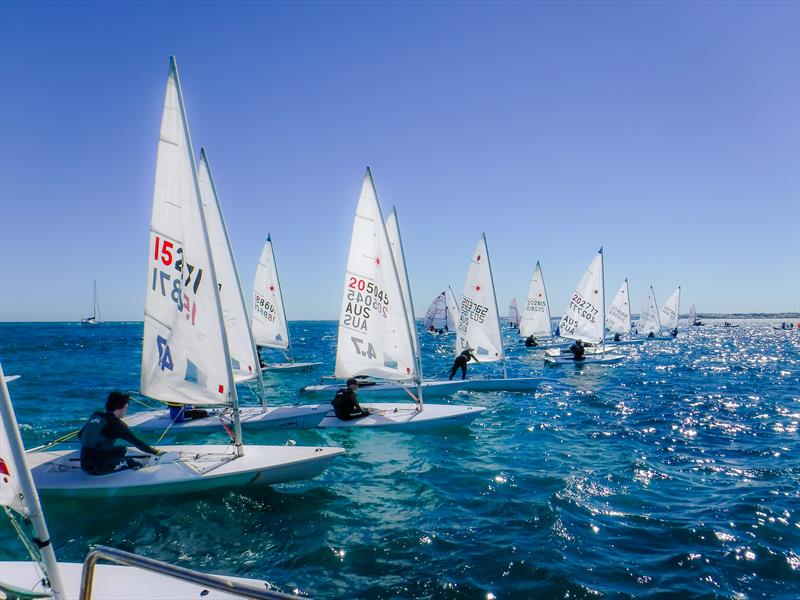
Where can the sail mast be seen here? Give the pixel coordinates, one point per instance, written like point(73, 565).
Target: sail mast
point(30, 498)
point(237, 426)
point(496, 311)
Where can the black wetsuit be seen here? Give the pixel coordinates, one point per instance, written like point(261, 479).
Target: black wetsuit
point(577, 351)
point(346, 406)
point(461, 363)
point(99, 455)
point(530, 342)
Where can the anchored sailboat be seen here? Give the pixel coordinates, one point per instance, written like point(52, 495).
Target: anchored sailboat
point(186, 354)
point(95, 319)
point(268, 323)
point(584, 318)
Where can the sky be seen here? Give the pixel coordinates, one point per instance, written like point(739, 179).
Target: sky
point(666, 132)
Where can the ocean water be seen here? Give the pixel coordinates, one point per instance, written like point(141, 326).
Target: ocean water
point(675, 474)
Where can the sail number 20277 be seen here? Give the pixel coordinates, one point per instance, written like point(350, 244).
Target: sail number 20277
point(166, 254)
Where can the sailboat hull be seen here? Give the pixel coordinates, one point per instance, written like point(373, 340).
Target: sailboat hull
point(309, 416)
point(292, 367)
point(600, 359)
point(432, 388)
point(182, 470)
point(114, 582)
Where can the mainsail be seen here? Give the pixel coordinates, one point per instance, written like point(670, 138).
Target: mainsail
point(584, 317)
point(671, 310)
point(649, 321)
point(184, 354)
point(437, 314)
point(244, 362)
point(453, 312)
point(513, 313)
point(536, 316)
point(268, 322)
point(396, 244)
point(374, 336)
point(479, 322)
point(618, 319)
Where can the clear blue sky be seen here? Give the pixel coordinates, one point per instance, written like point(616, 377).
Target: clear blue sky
point(667, 132)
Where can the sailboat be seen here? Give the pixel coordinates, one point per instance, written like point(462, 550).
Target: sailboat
point(513, 314)
point(584, 318)
point(650, 319)
point(45, 577)
point(618, 318)
point(670, 312)
point(440, 317)
point(186, 354)
point(693, 320)
point(377, 336)
point(268, 322)
point(535, 320)
point(95, 319)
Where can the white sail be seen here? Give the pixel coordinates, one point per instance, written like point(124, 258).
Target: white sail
point(513, 313)
point(584, 317)
point(268, 323)
point(649, 321)
point(693, 314)
point(184, 354)
point(244, 362)
point(453, 312)
point(374, 337)
point(671, 310)
point(479, 322)
point(618, 319)
point(535, 318)
point(436, 316)
point(396, 244)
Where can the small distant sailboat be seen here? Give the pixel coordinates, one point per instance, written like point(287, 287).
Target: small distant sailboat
point(618, 319)
point(440, 317)
point(584, 319)
point(513, 314)
point(376, 336)
point(268, 323)
point(95, 319)
point(670, 312)
point(45, 577)
point(186, 352)
point(536, 320)
point(693, 320)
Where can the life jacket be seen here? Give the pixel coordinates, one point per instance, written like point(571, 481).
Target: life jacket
point(92, 436)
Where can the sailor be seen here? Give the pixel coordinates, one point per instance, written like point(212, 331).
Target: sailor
point(651, 335)
point(577, 350)
point(531, 341)
point(99, 455)
point(617, 337)
point(675, 332)
point(461, 363)
point(345, 403)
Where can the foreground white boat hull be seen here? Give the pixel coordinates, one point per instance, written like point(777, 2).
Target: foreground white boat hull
point(599, 359)
point(292, 367)
point(114, 582)
point(433, 387)
point(405, 416)
point(183, 469)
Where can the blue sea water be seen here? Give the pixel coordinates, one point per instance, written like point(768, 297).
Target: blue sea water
point(675, 474)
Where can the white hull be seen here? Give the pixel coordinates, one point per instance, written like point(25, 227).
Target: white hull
point(184, 469)
point(627, 342)
point(292, 367)
point(433, 387)
point(114, 582)
point(600, 359)
point(587, 350)
point(309, 416)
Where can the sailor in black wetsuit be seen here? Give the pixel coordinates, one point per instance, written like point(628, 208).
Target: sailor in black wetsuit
point(531, 341)
point(577, 350)
point(651, 335)
point(99, 455)
point(675, 332)
point(461, 363)
point(617, 337)
point(345, 404)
